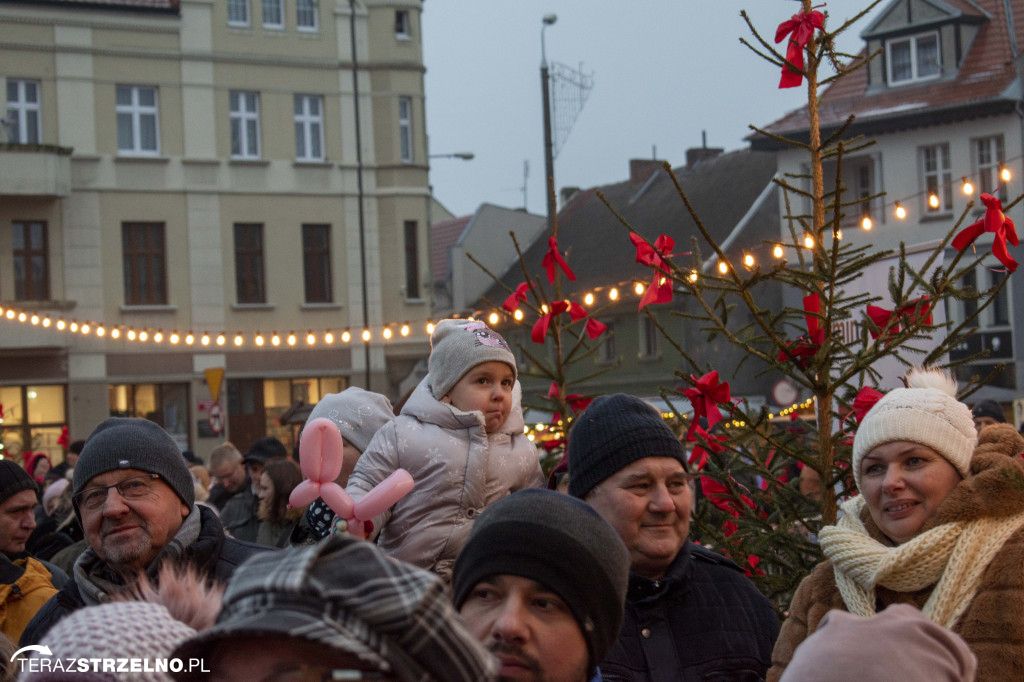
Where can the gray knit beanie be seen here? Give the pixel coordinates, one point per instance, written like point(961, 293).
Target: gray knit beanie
point(926, 412)
point(612, 433)
point(120, 443)
point(563, 544)
point(357, 413)
point(457, 346)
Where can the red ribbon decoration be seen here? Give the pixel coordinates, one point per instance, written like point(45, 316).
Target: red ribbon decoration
point(576, 401)
point(799, 28)
point(806, 346)
point(865, 400)
point(576, 313)
point(699, 455)
point(517, 296)
point(660, 288)
point(705, 397)
point(998, 223)
point(882, 317)
point(64, 440)
point(553, 257)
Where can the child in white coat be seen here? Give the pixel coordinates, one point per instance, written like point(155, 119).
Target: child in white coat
point(460, 436)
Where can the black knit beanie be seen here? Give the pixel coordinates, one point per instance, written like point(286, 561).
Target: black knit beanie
point(14, 479)
point(988, 408)
point(615, 431)
point(119, 443)
point(561, 543)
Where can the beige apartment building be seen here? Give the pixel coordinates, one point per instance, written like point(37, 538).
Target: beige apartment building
point(196, 186)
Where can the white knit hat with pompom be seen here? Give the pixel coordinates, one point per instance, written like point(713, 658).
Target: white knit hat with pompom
point(926, 412)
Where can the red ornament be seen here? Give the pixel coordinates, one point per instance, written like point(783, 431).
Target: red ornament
point(996, 222)
point(705, 396)
point(64, 440)
point(553, 257)
point(806, 346)
point(865, 400)
point(799, 28)
point(660, 288)
point(918, 309)
point(540, 327)
point(576, 401)
point(595, 328)
point(513, 300)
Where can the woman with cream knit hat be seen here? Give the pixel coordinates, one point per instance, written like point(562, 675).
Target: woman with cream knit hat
point(939, 524)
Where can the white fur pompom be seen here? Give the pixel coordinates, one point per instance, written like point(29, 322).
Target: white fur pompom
point(932, 377)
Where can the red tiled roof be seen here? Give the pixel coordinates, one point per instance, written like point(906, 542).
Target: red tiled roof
point(443, 236)
point(986, 73)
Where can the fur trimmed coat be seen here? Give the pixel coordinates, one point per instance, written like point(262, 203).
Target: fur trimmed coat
point(992, 624)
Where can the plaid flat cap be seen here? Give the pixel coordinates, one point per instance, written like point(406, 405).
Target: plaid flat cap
point(345, 594)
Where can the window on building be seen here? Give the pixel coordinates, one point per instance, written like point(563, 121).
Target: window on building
point(165, 404)
point(1001, 303)
point(402, 29)
point(245, 124)
point(249, 278)
point(238, 12)
point(306, 15)
point(988, 162)
point(31, 261)
point(23, 125)
point(970, 281)
point(145, 269)
point(412, 261)
point(649, 339)
point(309, 128)
point(316, 262)
point(914, 58)
point(608, 352)
point(405, 128)
point(273, 14)
point(137, 121)
point(937, 178)
point(32, 422)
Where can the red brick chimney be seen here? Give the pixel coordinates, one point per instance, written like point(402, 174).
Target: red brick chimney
point(642, 169)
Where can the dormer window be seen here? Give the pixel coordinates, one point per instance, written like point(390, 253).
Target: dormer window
point(913, 58)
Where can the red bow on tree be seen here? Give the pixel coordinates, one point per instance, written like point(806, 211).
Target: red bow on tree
point(64, 440)
point(918, 309)
point(705, 396)
point(576, 313)
point(575, 401)
point(513, 300)
point(799, 28)
point(999, 224)
point(806, 346)
point(553, 257)
point(660, 288)
point(699, 455)
point(865, 400)
point(721, 496)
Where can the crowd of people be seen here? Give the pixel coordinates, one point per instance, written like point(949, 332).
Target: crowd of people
point(481, 573)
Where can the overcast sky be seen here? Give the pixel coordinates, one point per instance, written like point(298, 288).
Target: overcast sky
point(663, 71)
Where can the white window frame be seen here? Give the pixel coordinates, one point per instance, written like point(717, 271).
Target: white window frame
point(137, 113)
point(242, 116)
point(309, 128)
point(915, 77)
point(405, 139)
point(943, 178)
point(271, 5)
point(988, 156)
point(403, 27)
point(648, 339)
point(239, 6)
point(310, 8)
point(20, 111)
point(608, 354)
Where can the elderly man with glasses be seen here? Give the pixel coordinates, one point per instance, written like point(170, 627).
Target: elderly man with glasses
point(135, 499)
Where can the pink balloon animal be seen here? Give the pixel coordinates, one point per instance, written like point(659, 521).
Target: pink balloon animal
point(320, 458)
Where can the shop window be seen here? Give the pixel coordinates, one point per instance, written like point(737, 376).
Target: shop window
point(164, 404)
point(33, 417)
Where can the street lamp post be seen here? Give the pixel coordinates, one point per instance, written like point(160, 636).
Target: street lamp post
point(549, 159)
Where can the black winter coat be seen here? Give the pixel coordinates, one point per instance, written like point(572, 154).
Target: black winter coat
point(213, 554)
point(703, 621)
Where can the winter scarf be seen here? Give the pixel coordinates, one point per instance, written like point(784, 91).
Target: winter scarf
point(951, 556)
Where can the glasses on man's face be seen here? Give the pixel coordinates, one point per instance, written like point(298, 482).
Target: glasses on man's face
point(131, 488)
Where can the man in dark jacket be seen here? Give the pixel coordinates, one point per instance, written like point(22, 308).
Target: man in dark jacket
point(136, 501)
point(690, 613)
point(233, 495)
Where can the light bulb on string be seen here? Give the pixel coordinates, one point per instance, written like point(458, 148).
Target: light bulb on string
point(190, 338)
point(387, 333)
point(588, 299)
point(175, 337)
point(259, 340)
point(404, 331)
point(901, 212)
point(275, 340)
point(46, 322)
point(492, 319)
point(115, 333)
point(328, 338)
point(100, 331)
point(34, 320)
point(777, 251)
point(808, 241)
point(518, 314)
point(85, 328)
point(638, 288)
point(346, 336)
point(221, 339)
point(205, 339)
point(143, 336)
point(310, 338)
point(130, 335)
point(866, 223)
point(292, 339)
point(366, 335)
point(967, 188)
point(158, 337)
point(430, 327)
point(693, 275)
point(613, 294)
point(723, 267)
point(239, 340)
point(933, 200)
point(22, 317)
point(748, 260)
point(1004, 174)
point(73, 326)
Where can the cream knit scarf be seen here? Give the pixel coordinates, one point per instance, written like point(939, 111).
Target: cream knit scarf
point(952, 557)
